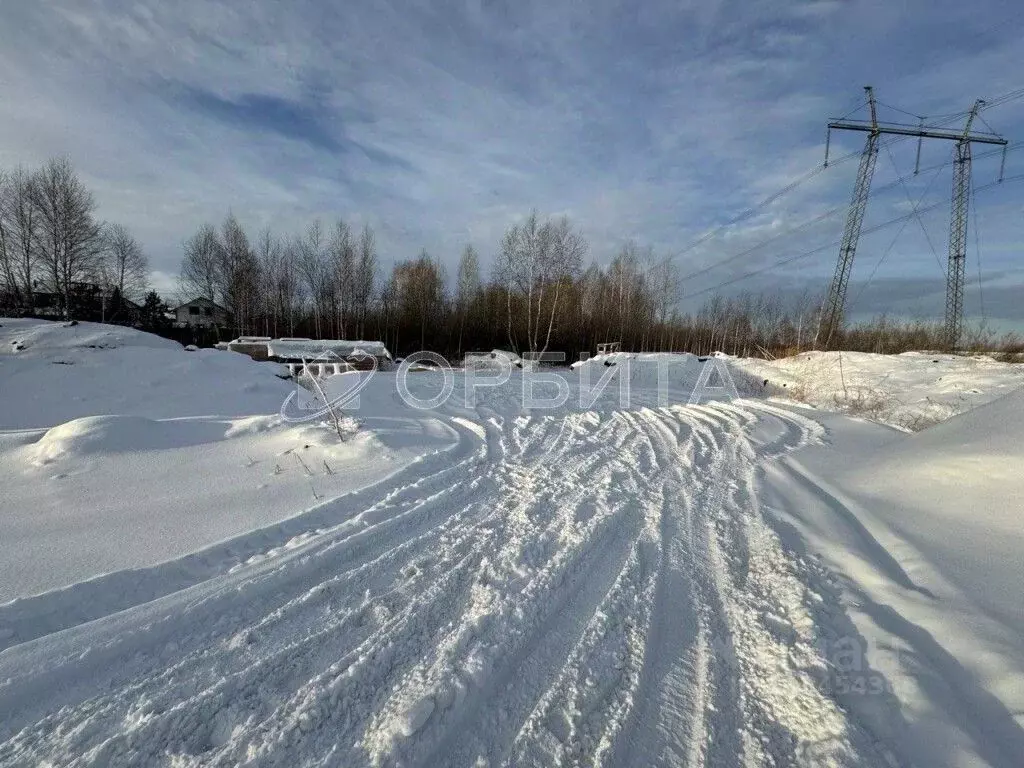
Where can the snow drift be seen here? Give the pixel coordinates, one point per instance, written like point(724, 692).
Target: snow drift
point(120, 449)
point(911, 391)
point(68, 372)
point(924, 535)
point(120, 434)
point(621, 583)
point(955, 493)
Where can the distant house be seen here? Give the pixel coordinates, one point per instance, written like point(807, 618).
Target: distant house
point(201, 312)
point(88, 301)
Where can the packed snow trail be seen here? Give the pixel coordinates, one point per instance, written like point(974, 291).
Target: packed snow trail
point(594, 588)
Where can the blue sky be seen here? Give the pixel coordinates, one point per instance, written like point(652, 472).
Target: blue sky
point(441, 123)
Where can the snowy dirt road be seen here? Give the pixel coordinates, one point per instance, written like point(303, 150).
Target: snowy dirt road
point(594, 588)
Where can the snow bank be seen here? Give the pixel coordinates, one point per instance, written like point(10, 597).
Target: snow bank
point(923, 533)
point(64, 373)
point(118, 434)
point(910, 391)
point(119, 450)
point(495, 359)
point(955, 492)
point(42, 337)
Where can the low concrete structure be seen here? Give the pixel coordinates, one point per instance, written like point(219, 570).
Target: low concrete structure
point(320, 355)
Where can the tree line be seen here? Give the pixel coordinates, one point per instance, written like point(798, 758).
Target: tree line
point(55, 253)
point(539, 295)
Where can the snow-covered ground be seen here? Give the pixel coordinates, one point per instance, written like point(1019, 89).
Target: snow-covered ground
point(911, 391)
point(923, 537)
point(120, 450)
point(643, 583)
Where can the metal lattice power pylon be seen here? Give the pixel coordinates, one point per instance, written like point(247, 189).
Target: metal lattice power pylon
point(833, 314)
point(832, 317)
point(957, 245)
point(958, 235)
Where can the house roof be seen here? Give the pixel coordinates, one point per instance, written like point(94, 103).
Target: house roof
point(199, 300)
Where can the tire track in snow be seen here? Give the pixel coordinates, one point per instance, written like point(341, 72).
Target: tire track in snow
point(318, 557)
point(581, 589)
point(28, 618)
point(512, 625)
point(667, 725)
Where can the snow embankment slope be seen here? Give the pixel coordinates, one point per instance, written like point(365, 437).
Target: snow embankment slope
point(955, 492)
point(53, 373)
point(616, 584)
point(120, 450)
point(926, 534)
point(910, 391)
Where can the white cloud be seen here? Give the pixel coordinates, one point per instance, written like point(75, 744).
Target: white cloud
point(442, 123)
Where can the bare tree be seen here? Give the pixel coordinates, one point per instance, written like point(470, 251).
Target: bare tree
point(69, 239)
point(364, 277)
point(11, 287)
point(564, 252)
point(19, 224)
point(419, 294)
point(343, 257)
point(269, 257)
point(124, 264)
point(664, 281)
point(467, 287)
point(287, 286)
point(200, 267)
point(239, 274)
point(535, 262)
point(313, 268)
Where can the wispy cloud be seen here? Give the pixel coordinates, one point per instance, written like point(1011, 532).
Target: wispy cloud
point(440, 123)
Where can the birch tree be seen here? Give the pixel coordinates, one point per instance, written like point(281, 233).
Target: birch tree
point(125, 265)
point(19, 224)
point(467, 288)
point(534, 264)
point(313, 269)
point(69, 239)
point(364, 277)
point(343, 268)
point(200, 266)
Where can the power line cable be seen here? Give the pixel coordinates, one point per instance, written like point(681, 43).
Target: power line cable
point(985, 123)
point(764, 203)
point(860, 104)
point(914, 207)
point(821, 217)
point(896, 237)
point(789, 188)
point(977, 249)
point(750, 211)
point(835, 243)
point(1005, 98)
point(897, 109)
